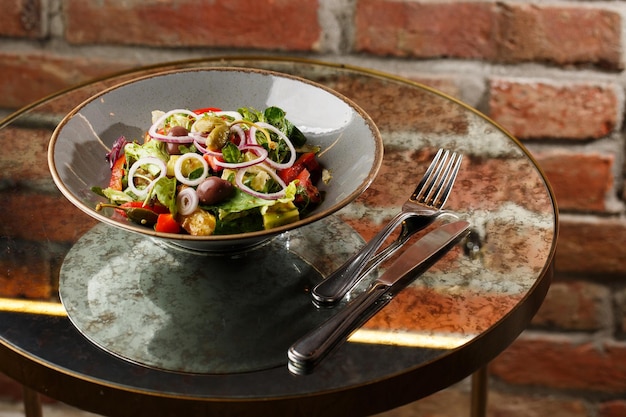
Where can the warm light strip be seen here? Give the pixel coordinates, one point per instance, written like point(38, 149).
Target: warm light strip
point(32, 307)
point(410, 339)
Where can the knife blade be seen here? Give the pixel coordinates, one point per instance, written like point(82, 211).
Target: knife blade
point(304, 354)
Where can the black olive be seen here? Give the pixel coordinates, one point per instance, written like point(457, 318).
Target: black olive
point(178, 131)
point(173, 148)
point(214, 190)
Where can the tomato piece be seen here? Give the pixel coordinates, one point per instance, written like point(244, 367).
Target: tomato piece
point(306, 161)
point(311, 193)
point(291, 173)
point(206, 110)
point(211, 161)
point(117, 174)
point(304, 177)
point(310, 162)
point(166, 224)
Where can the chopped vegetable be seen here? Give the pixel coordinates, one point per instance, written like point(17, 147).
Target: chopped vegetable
point(166, 224)
point(211, 171)
point(117, 174)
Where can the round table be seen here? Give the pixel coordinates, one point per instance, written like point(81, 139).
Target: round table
point(447, 325)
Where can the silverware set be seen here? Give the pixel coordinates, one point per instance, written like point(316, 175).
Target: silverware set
point(421, 209)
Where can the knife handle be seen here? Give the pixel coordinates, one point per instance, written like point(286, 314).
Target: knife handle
point(311, 348)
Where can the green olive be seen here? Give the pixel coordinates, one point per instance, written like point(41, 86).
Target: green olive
point(145, 217)
point(218, 137)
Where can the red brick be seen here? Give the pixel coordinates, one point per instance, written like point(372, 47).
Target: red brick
point(28, 149)
point(502, 32)
point(22, 19)
point(455, 401)
point(447, 85)
point(418, 110)
point(266, 24)
point(29, 77)
point(426, 29)
point(42, 217)
point(560, 34)
point(577, 305)
point(510, 405)
point(537, 109)
point(561, 362)
point(620, 299)
point(451, 402)
point(616, 408)
point(24, 271)
point(591, 246)
point(570, 172)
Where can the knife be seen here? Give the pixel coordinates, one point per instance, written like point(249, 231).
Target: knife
point(311, 348)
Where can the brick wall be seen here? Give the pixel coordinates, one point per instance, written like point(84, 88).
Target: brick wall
point(551, 72)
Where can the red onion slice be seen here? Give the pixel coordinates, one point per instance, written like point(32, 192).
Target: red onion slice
point(204, 150)
point(149, 160)
point(240, 134)
point(251, 139)
point(168, 138)
point(267, 196)
point(178, 169)
point(292, 150)
point(187, 201)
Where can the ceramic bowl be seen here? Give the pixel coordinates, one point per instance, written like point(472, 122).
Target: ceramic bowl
point(351, 143)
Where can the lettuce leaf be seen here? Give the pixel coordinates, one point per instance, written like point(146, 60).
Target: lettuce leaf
point(116, 196)
point(242, 203)
point(152, 148)
point(165, 191)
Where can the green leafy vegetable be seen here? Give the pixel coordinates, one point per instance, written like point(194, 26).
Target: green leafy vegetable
point(165, 191)
point(231, 153)
point(153, 148)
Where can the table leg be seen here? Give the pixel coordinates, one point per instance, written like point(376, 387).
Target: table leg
point(32, 403)
point(479, 393)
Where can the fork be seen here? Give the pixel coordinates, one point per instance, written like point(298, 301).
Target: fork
point(421, 209)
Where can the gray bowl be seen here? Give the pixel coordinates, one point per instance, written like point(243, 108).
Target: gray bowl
point(351, 144)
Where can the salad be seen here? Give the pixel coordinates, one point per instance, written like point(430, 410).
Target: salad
point(207, 171)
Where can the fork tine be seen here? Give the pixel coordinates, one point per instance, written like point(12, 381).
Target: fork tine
point(448, 180)
point(425, 184)
point(432, 192)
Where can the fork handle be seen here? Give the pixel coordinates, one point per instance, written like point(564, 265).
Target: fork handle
point(332, 289)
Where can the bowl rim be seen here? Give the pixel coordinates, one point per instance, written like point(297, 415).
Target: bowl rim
point(226, 238)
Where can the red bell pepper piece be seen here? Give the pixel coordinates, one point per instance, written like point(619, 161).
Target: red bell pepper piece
point(211, 161)
point(117, 174)
point(311, 193)
point(166, 224)
point(207, 110)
